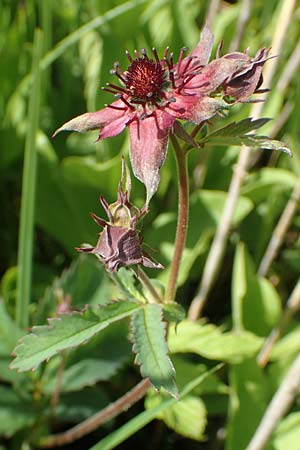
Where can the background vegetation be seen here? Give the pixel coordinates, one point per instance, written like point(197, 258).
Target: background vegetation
point(47, 77)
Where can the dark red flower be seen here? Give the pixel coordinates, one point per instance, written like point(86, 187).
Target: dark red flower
point(155, 92)
point(119, 243)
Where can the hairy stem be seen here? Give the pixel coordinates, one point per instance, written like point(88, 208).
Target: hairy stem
point(90, 424)
point(182, 221)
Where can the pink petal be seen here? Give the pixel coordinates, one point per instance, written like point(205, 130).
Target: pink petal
point(245, 81)
point(148, 147)
point(94, 120)
point(203, 49)
point(114, 127)
point(213, 75)
point(195, 108)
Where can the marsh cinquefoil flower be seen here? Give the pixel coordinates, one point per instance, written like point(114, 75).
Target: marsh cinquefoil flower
point(119, 243)
point(155, 92)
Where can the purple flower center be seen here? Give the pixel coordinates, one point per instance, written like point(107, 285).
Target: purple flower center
point(145, 80)
point(151, 82)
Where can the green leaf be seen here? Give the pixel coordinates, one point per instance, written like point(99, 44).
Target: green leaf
point(27, 214)
point(187, 417)
point(69, 330)
point(206, 204)
point(126, 281)
point(256, 305)
point(268, 181)
point(287, 434)
point(138, 422)
point(148, 334)
point(287, 345)
point(210, 342)
point(9, 331)
point(85, 282)
point(173, 312)
point(96, 361)
point(235, 129)
point(236, 134)
point(187, 370)
point(15, 412)
point(249, 396)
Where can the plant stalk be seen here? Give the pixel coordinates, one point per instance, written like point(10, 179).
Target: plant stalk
point(26, 226)
point(92, 423)
point(182, 221)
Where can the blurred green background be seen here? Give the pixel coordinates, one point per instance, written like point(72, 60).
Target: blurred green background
point(78, 43)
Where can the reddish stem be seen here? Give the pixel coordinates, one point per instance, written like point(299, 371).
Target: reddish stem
point(182, 221)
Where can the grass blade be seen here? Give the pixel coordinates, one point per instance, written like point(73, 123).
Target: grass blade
point(26, 226)
point(138, 422)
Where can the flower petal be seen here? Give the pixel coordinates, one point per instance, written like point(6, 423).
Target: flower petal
point(148, 147)
point(213, 75)
point(114, 127)
point(203, 49)
point(195, 108)
point(244, 83)
point(94, 120)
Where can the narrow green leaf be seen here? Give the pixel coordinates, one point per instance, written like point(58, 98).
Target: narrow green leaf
point(138, 422)
point(69, 330)
point(148, 334)
point(28, 192)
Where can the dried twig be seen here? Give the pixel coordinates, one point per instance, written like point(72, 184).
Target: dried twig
point(90, 424)
point(218, 246)
point(279, 405)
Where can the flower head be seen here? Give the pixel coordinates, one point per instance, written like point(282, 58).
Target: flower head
point(155, 92)
point(119, 243)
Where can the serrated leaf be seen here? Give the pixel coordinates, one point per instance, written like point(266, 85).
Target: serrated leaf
point(236, 133)
point(242, 127)
point(69, 330)
point(209, 341)
point(148, 334)
point(187, 417)
point(96, 361)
